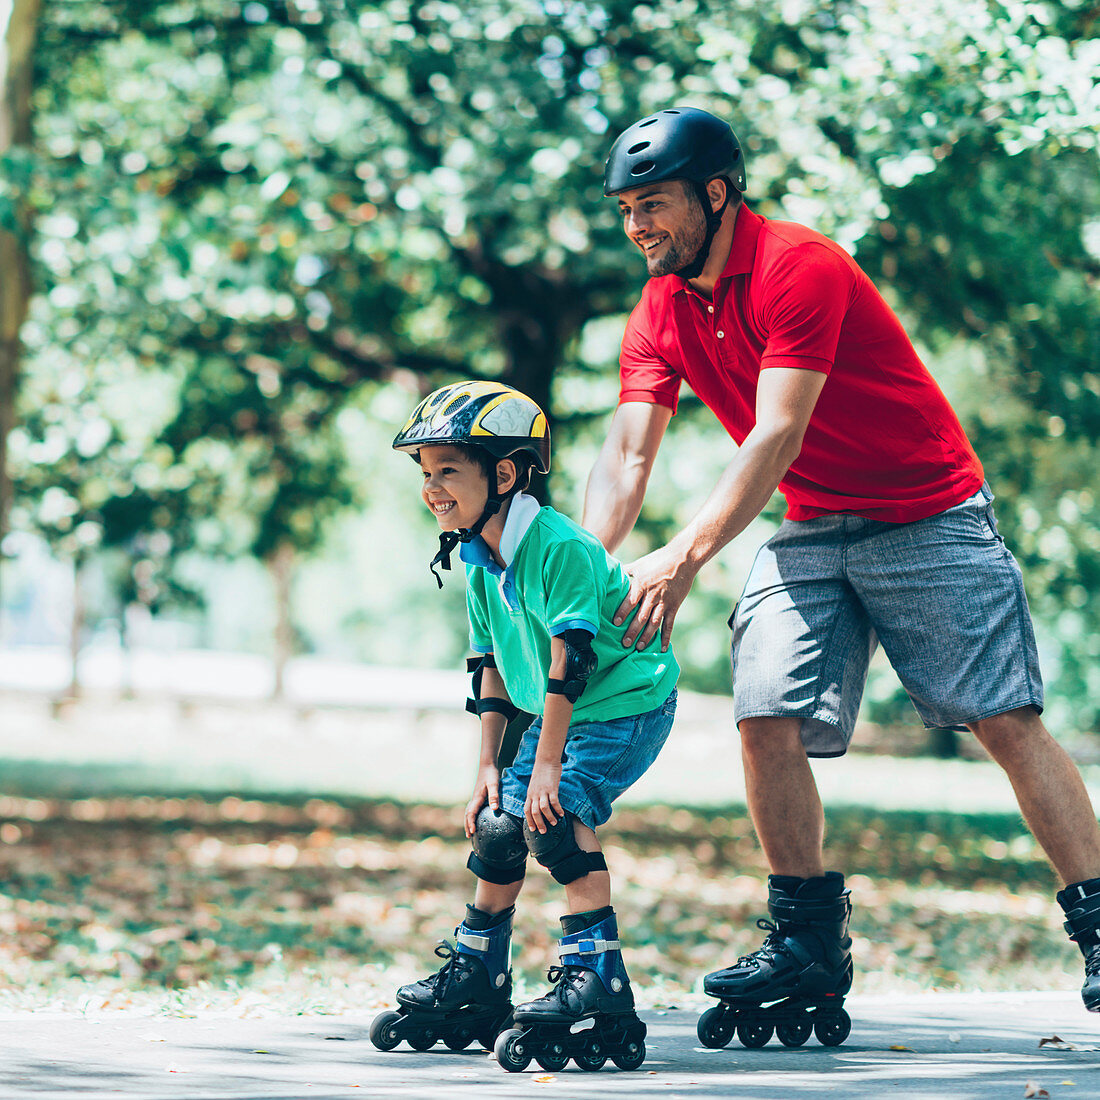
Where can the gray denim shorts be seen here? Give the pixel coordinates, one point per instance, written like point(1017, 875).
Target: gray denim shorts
point(943, 595)
point(601, 760)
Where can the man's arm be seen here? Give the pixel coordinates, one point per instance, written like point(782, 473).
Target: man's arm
point(659, 582)
point(617, 484)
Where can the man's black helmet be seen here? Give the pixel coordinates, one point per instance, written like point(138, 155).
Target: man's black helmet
point(679, 143)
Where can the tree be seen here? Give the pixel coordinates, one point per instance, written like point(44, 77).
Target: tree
point(316, 198)
point(18, 24)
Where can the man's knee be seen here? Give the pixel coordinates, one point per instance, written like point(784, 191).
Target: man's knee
point(1011, 731)
point(500, 851)
point(765, 738)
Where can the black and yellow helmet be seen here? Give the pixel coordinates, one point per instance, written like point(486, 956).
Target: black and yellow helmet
point(490, 415)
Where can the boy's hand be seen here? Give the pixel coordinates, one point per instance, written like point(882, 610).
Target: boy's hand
point(486, 790)
point(542, 808)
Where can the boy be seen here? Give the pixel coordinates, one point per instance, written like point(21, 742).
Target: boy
point(541, 593)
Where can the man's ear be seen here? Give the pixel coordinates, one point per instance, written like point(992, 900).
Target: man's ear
point(506, 475)
point(717, 190)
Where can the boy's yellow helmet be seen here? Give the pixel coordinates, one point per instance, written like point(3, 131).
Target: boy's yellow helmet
point(491, 415)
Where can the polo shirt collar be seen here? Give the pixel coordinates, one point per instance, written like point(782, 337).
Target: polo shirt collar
point(746, 232)
point(521, 514)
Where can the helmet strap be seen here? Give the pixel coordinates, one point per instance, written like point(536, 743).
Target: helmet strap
point(694, 269)
point(448, 540)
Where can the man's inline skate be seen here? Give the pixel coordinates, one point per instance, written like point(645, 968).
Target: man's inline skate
point(1081, 902)
point(796, 982)
point(469, 998)
point(590, 984)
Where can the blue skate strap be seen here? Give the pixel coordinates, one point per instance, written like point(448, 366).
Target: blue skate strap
point(587, 947)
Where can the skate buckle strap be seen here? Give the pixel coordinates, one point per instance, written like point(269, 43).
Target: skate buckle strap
point(469, 939)
point(587, 947)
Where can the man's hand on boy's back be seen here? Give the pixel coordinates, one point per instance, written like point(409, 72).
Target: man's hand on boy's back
point(486, 790)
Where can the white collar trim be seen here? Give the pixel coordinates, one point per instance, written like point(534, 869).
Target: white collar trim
point(521, 514)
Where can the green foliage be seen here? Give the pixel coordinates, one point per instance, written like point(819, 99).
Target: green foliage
point(269, 213)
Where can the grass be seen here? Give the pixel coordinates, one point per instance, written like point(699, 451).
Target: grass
point(176, 903)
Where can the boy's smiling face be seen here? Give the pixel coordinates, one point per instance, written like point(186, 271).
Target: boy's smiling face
point(455, 489)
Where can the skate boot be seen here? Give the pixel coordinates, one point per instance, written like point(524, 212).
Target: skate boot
point(1081, 902)
point(468, 998)
point(591, 984)
point(796, 982)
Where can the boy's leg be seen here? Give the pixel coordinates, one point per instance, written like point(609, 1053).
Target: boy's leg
point(492, 898)
point(591, 891)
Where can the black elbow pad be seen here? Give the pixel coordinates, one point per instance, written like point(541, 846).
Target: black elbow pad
point(580, 664)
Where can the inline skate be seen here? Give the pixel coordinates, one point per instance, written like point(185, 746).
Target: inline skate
point(796, 982)
point(468, 998)
point(1081, 902)
point(590, 984)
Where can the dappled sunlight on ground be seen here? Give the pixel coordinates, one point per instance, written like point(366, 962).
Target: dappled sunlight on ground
point(250, 905)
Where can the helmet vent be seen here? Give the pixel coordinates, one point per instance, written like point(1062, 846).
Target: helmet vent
point(638, 148)
point(642, 168)
point(648, 122)
point(455, 405)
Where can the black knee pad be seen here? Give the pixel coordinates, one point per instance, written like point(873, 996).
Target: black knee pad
point(500, 851)
point(558, 851)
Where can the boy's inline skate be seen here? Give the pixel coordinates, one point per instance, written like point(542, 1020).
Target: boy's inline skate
point(469, 998)
point(796, 982)
point(590, 984)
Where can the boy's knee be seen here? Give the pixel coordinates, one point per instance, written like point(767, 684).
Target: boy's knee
point(500, 850)
point(558, 851)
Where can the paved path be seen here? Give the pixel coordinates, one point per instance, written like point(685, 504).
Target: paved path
point(947, 1046)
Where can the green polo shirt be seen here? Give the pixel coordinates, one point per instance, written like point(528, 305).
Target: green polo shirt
point(558, 578)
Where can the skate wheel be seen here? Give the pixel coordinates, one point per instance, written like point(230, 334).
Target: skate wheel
point(754, 1035)
point(715, 1029)
point(832, 1027)
point(591, 1056)
point(553, 1057)
point(422, 1040)
point(510, 1051)
point(795, 1033)
point(459, 1039)
point(383, 1030)
point(631, 1056)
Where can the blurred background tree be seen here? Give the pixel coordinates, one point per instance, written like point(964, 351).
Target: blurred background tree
point(264, 229)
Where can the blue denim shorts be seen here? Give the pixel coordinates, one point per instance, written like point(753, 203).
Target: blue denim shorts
point(943, 595)
point(601, 760)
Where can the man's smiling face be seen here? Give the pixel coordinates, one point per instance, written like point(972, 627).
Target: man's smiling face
point(666, 221)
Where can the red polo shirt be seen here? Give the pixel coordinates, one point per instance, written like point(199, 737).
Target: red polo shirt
point(882, 442)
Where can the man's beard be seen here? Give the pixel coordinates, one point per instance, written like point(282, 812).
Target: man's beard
point(680, 253)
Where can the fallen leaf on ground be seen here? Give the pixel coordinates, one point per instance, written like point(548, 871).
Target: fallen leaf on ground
point(1061, 1044)
point(898, 1046)
point(544, 1078)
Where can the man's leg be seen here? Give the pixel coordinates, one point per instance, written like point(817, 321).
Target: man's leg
point(1048, 786)
point(1059, 813)
point(783, 801)
point(805, 963)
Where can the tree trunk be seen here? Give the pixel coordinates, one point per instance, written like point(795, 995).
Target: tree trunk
point(76, 630)
point(281, 567)
point(18, 24)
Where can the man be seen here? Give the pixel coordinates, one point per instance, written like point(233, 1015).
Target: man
point(889, 537)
